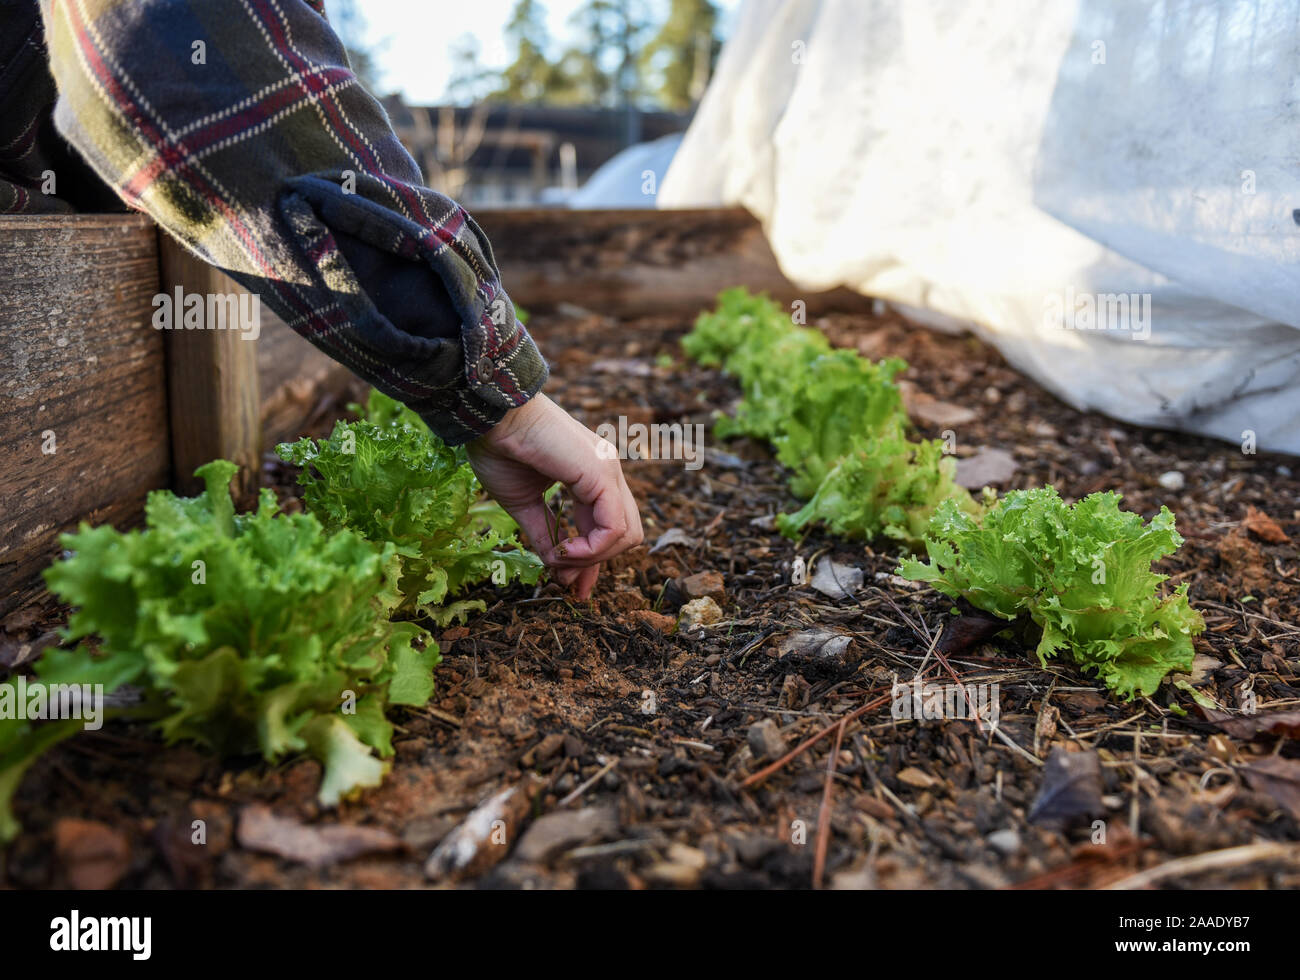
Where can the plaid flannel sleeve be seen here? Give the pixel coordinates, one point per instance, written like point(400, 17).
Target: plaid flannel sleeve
point(239, 127)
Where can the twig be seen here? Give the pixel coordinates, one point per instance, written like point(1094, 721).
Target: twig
point(996, 729)
point(588, 784)
point(824, 813)
point(443, 716)
point(807, 743)
point(1231, 857)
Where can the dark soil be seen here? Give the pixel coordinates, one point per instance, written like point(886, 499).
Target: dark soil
point(541, 684)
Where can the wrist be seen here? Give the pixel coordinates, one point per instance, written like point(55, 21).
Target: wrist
point(516, 421)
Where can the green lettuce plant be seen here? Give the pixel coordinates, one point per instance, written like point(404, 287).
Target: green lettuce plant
point(835, 419)
point(1082, 573)
point(883, 486)
point(259, 632)
point(395, 483)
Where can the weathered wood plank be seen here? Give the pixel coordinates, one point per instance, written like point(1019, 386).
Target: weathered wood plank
point(212, 377)
point(220, 408)
point(83, 414)
point(640, 262)
point(295, 376)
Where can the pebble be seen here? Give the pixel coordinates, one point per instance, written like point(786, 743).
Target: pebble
point(681, 869)
point(703, 584)
point(659, 621)
point(1005, 842)
point(1173, 480)
point(92, 855)
point(698, 613)
point(988, 467)
point(753, 848)
point(765, 740)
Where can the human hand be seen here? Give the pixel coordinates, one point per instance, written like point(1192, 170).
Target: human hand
point(534, 446)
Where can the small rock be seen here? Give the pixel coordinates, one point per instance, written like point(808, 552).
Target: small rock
point(565, 829)
point(897, 581)
point(698, 613)
point(941, 414)
point(765, 740)
point(987, 468)
point(861, 876)
point(681, 869)
point(1173, 480)
point(916, 778)
point(1005, 842)
point(981, 876)
point(93, 855)
point(544, 749)
point(655, 620)
point(835, 580)
point(703, 584)
point(753, 848)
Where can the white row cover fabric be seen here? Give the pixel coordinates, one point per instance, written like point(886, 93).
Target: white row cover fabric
point(1106, 190)
point(629, 179)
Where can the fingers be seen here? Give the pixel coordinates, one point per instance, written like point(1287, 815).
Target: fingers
point(537, 522)
point(607, 519)
point(586, 581)
point(567, 576)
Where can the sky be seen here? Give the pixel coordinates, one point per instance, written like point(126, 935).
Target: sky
point(412, 39)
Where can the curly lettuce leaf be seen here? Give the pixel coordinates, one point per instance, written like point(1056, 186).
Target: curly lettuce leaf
point(1082, 573)
point(398, 485)
point(245, 631)
point(835, 419)
point(884, 486)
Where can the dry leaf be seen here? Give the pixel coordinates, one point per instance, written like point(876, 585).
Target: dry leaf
point(1278, 778)
point(835, 580)
point(1285, 724)
point(818, 642)
point(1264, 527)
point(1071, 788)
point(317, 846)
